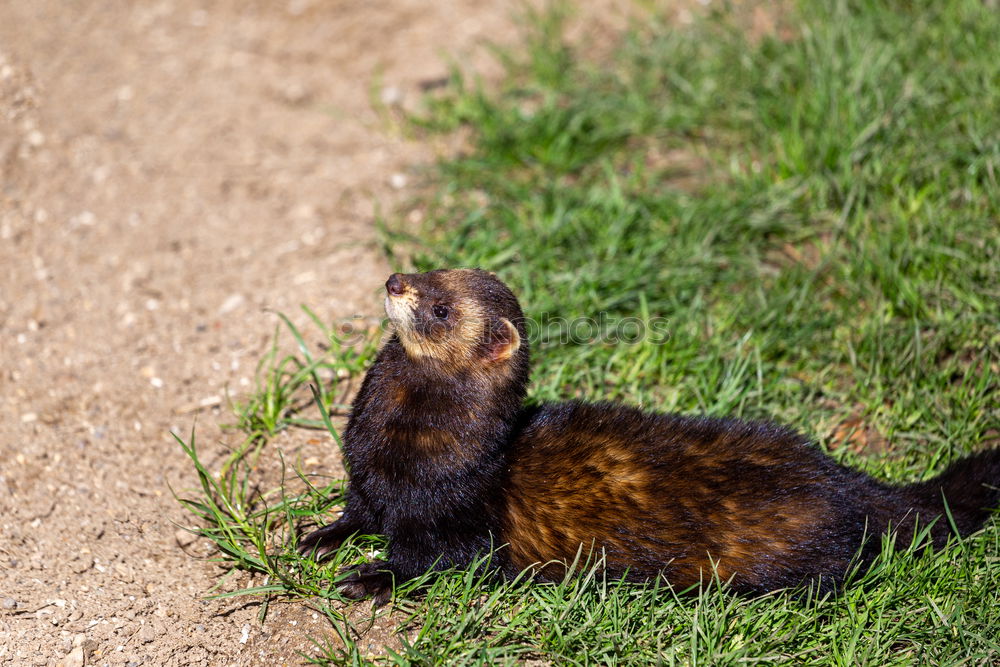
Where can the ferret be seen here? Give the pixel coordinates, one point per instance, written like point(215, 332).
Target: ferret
point(446, 460)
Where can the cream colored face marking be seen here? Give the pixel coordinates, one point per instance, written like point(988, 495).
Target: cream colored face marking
point(400, 309)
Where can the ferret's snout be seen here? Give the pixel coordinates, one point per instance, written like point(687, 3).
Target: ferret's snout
point(394, 285)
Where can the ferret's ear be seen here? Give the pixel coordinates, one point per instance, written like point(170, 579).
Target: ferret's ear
point(504, 341)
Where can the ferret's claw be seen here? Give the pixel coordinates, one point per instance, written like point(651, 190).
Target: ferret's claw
point(368, 579)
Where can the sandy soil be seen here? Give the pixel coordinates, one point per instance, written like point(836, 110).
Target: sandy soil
point(170, 171)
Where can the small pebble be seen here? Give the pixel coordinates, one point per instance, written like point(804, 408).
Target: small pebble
point(391, 96)
point(9, 603)
point(85, 218)
point(295, 93)
point(146, 634)
point(232, 302)
point(183, 537)
point(75, 658)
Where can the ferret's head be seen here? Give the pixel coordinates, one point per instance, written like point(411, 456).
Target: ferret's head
point(462, 318)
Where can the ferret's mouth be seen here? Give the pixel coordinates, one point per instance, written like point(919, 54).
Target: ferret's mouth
point(401, 299)
point(399, 311)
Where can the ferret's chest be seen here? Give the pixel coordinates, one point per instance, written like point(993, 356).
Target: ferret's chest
point(411, 445)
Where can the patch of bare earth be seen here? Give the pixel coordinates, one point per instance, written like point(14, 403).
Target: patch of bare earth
point(172, 171)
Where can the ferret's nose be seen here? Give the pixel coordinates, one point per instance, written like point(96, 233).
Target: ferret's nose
point(394, 285)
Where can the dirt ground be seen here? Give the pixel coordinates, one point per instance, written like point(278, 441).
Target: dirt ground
point(173, 172)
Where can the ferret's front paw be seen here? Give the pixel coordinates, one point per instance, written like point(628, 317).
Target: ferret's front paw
point(372, 579)
point(324, 542)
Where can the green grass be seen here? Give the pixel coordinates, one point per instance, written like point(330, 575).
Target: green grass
point(285, 382)
point(815, 217)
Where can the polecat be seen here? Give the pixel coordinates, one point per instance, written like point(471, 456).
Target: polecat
point(447, 463)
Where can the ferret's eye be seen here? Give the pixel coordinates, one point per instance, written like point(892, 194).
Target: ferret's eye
point(440, 312)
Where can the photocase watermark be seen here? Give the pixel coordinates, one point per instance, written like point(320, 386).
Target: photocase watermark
point(541, 331)
point(604, 329)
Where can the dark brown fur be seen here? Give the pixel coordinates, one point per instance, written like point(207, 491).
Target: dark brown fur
point(447, 463)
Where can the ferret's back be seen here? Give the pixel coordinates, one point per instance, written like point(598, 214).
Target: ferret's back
point(656, 493)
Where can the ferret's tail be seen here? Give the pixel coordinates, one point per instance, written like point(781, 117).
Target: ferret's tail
point(971, 489)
